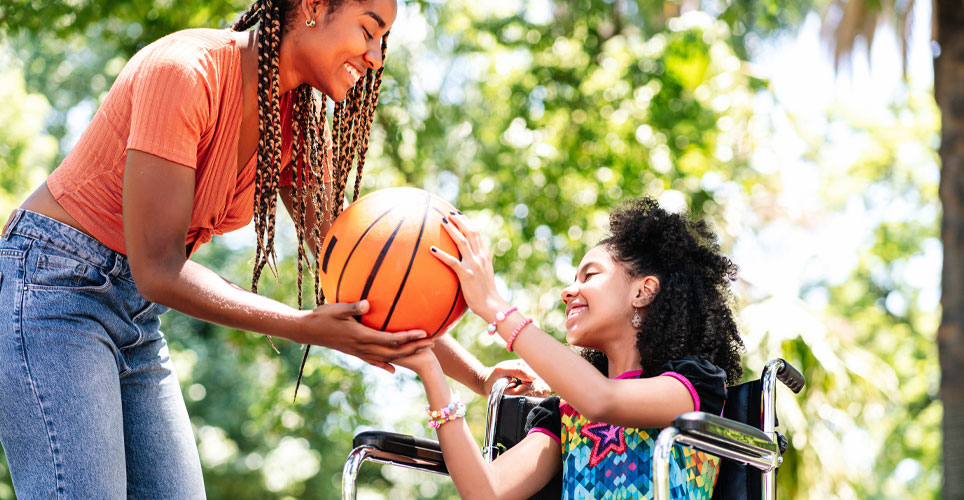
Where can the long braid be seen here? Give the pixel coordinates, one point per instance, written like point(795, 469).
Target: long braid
point(248, 18)
point(368, 113)
point(273, 30)
point(321, 200)
point(269, 137)
point(316, 155)
point(299, 158)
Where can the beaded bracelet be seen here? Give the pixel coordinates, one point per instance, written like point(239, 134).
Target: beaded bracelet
point(515, 333)
point(499, 317)
point(437, 418)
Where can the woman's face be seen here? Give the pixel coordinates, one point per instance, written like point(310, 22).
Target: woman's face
point(335, 53)
point(599, 303)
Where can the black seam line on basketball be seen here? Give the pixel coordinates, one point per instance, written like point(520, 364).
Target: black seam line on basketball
point(447, 316)
point(379, 260)
point(331, 246)
point(411, 260)
point(345, 265)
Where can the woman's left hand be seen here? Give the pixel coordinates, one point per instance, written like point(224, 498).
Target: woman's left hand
point(474, 269)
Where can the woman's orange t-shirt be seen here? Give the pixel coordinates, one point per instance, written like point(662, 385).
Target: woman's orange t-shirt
point(179, 98)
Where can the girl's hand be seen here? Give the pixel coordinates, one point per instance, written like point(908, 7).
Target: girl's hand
point(335, 326)
point(419, 362)
point(474, 269)
point(526, 383)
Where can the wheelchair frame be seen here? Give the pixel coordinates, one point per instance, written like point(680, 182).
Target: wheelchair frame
point(726, 438)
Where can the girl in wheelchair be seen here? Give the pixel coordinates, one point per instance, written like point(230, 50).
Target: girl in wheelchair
point(650, 311)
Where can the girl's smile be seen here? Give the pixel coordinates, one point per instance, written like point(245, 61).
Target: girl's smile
point(573, 310)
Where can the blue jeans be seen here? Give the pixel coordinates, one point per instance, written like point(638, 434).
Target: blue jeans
point(90, 406)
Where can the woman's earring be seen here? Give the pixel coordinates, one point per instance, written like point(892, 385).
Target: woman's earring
point(310, 23)
point(637, 320)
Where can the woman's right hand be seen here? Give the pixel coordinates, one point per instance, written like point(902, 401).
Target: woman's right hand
point(334, 326)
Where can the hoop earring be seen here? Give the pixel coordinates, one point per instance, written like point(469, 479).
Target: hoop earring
point(310, 23)
point(637, 319)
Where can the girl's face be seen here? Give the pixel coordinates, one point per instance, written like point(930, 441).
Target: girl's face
point(335, 53)
point(599, 303)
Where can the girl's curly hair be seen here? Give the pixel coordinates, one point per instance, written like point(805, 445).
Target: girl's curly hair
point(691, 314)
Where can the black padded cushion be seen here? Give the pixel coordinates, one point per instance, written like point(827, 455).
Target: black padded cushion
point(512, 428)
point(513, 411)
point(736, 480)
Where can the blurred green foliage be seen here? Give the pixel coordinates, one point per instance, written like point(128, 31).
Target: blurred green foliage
point(535, 118)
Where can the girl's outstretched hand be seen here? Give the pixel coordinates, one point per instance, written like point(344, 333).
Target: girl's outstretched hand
point(419, 362)
point(474, 269)
point(526, 381)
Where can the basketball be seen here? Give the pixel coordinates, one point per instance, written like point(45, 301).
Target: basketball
point(378, 249)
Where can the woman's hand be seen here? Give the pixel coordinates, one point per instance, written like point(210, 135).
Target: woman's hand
point(335, 326)
point(474, 269)
point(526, 382)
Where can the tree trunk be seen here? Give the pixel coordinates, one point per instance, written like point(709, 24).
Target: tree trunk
point(949, 92)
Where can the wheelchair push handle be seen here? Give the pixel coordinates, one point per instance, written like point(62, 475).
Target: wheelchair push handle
point(791, 377)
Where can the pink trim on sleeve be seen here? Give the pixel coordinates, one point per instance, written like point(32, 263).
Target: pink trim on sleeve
point(686, 382)
point(631, 374)
point(546, 432)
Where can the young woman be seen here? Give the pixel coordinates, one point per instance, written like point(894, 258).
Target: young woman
point(201, 131)
point(650, 305)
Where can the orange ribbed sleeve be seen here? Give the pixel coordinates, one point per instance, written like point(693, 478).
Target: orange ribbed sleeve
point(171, 103)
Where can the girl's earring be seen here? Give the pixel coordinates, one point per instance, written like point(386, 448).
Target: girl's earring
point(637, 320)
point(310, 23)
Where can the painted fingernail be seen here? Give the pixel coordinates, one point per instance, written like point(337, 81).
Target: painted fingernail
point(445, 220)
point(460, 212)
point(434, 249)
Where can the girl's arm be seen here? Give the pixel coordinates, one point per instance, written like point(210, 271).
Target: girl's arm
point(461, 365)
point(642, 403)
point(158, 200)
point(518, 473)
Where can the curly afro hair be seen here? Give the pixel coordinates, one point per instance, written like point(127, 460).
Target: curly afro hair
point(691, 315)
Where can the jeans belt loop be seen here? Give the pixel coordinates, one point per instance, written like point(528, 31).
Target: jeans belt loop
point(12, 222)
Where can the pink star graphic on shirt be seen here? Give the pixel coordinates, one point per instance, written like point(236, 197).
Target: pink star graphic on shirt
point(606, 438)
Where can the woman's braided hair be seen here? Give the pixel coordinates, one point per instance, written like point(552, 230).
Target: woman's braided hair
point(315, 154)
point(691, 314)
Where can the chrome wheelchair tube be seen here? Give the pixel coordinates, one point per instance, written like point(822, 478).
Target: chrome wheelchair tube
point(769, 421)
point(765, 461)
point(662, 453)
point(349, 474)
point(492, 417)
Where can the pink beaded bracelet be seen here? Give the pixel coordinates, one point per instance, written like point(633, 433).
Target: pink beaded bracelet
point(515, 333)
point(499, 317)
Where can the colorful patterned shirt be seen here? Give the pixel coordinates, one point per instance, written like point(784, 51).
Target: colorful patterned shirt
point(603, 461)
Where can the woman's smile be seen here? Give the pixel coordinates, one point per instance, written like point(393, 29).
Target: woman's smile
point(353, 73)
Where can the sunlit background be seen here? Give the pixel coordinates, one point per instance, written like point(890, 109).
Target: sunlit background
point(535, 118)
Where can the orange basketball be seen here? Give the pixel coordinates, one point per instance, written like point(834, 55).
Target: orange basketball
point(379, 249)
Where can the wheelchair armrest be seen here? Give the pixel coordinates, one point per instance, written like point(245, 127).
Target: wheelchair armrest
point(723, 433)
point(403, 449)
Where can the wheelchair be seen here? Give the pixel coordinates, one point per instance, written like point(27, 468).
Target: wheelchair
point(745, 439)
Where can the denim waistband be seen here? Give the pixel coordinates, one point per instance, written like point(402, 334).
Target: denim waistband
point(68, 239)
